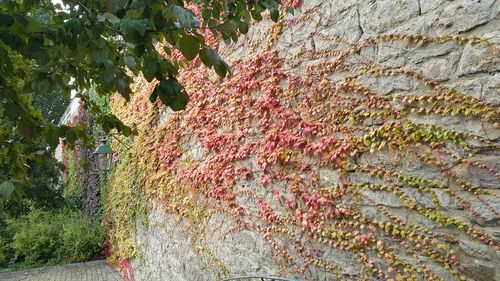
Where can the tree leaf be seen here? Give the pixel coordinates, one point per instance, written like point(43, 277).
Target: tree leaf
point(98, 56)
point(6, 20)
point(221, 68)
point(182, 17)
point(6, 189)
point(275, 14)
point(171, 94)
point(26, 127)
point(189, 46)
point(52, 137)
point(150, 67)
point(132, 26)
point(154, 96)
point(130, 61)
point(228, 28)
point(243, 27)
point(167, 90)
point(209, 57)
point(180, 101)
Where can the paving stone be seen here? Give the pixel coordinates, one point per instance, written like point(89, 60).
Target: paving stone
point(88, 271)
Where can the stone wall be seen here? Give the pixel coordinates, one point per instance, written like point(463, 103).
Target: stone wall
point(166, 242)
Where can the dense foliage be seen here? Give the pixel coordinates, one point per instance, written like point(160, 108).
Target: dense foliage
point(42, 237)
point(254, 149)
point(41, 190)
point(60, 48)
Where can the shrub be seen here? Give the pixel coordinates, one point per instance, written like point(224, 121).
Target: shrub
point(82, 238)
point(6, 252)
point(3, 256)
point(37, 237)
point(42, 238)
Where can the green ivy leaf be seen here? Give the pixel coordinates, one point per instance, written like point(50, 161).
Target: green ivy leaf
point(26, 24)
point(210, 58)
point(23, 20)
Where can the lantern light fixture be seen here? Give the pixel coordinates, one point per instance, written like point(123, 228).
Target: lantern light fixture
point(104, 156)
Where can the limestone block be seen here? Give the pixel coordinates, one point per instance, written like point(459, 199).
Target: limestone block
point(163, 115)
point(329, 177)
point(431, 5)
point(445, 200)
point(381, 16)
point(391, 50)
point(424, 53)
point(346, 26)
point(481, 177)
point(388, 85)
point(344, 259)
point(440, 69)
point(471, 87)
point(306, 28)
point(464, 15)
point(474, 249)
point(491, 90)
point(414, 218)
point(382, 198)
point(372, 213)
point(478, 59)
point(422, 199)
point(486, 206)
point(478, 270)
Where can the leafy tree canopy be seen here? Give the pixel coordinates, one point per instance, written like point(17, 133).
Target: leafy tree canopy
point(53, 48)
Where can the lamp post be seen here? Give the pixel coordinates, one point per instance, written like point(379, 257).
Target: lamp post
point(104, 156)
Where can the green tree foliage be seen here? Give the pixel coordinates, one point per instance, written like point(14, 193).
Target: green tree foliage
point(41, 190)
point(51, 105)
point(57, 49)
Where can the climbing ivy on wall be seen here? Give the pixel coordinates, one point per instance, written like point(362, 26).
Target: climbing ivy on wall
point(83, 181)
point(252, 147)
point(72, 179)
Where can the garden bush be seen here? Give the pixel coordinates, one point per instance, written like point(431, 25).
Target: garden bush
point(36, 237)
point(6, 252)
point(44, 238)
point(82, 238)
point(3, 256)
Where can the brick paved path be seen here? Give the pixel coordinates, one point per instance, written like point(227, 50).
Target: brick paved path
point(87, 271)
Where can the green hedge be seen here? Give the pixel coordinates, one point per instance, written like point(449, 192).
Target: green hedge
point(42, 238)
